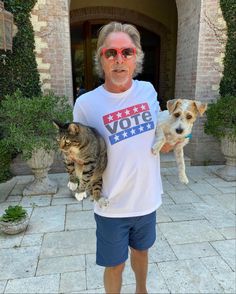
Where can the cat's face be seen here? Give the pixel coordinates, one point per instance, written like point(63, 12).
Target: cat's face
point(69, 136)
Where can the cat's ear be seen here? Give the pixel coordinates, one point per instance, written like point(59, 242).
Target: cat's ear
point(73, 128)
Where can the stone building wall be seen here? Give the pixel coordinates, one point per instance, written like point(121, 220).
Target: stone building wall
point(50, 21)
point(200, 52)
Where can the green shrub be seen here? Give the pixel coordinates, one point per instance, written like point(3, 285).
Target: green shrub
point(20, 70)
point(5, 161)
point(221, 117)
point(13, 213)
point(228, 81)
point(28, 123)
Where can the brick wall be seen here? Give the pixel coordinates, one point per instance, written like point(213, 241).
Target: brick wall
point(50, 21)
point(199, 67)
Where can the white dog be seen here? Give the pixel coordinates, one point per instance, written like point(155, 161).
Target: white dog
point(174, 127)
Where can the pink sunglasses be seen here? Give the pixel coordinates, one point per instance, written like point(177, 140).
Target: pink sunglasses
point(111, 53)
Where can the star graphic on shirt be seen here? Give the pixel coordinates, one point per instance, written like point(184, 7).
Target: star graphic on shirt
point(135, 109)
point(127, 112)
point(116, 138)
point(141, 128)
point(149, 126)
point(119, 114)
point(110, 117)
point(124, 134)
point(143, 107)
point(132, 132)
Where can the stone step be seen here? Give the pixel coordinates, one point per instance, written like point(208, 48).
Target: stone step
point(168, 160)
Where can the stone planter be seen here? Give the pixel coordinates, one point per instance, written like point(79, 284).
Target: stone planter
point(40, 163)
point(228, 148)
point(12, 228)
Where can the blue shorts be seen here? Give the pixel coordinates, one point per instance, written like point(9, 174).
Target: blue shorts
point(116, 235)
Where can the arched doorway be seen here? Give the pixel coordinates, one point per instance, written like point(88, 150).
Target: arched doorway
point(83, 44)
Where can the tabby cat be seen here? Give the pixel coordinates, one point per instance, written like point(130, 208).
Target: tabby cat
point(85, 158)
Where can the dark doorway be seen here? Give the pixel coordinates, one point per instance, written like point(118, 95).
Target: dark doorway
point(83, 44)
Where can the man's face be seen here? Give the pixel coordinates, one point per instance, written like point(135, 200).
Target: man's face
point(119, 70)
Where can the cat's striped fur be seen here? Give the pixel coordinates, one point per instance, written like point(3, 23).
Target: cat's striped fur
point(85, 158)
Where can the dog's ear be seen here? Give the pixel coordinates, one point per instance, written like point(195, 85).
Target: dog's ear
point(201, 107)
point(172, 104)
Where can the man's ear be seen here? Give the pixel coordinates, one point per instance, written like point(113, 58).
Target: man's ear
point(201, 107)
point(73, 128)
point(172, 104)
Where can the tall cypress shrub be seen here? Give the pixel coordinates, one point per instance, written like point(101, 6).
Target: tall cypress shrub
point(20, 70)
point(228, 81)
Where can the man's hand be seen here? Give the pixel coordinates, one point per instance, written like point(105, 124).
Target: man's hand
point(167, 148)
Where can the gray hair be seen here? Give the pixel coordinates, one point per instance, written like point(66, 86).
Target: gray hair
point(119, 27)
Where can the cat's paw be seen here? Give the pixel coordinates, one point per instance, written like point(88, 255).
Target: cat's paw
point(80, 196)
point(72, 186)
point(183, 178)
point(155, 151)
point(103, 202)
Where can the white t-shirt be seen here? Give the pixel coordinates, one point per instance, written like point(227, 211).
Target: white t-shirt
point(127, 120)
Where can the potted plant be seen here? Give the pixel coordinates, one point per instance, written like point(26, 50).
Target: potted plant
point(221, 123)
point(27, 124)
point(14, 220)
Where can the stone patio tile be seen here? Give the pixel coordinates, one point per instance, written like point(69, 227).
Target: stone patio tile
point(228, 201)
point(162, 216)
point(161, 251)
point(34, 285)
point(221, 272)
point(94, 273)
point(68, 243)
point(18, 189)
point(188, 276)
point(40, 200)
point(167, 186)
point(63, 201)
point(184, 196)
point(18, 262)
point(10, 241)
point(62, 264)
point(227, 250)
point(202, 188)
point(87, 204)
point(189, 232)
point(74, 207)
point(6, 188)
point(155, 280)
point(2, 286)
point(228, 233)
point(166, 199)
point(76, 220)
point(181, 212)
point(63, 192)
point(13, 198)
point(24, 179)
point(47, 219)
point(193, 250)
point(217, 216)
point(32, 240)
point(73, 282)
point(220, 183)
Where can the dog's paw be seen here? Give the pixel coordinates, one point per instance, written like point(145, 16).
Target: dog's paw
point(103, 202)
point(80, 196)
point(183, 179)
point(72, 186)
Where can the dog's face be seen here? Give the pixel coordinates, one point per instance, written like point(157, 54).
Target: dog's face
point(183, 113)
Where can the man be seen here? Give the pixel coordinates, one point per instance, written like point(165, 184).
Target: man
point(124, 111)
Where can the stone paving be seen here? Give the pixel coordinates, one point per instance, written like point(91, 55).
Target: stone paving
point(194, 251)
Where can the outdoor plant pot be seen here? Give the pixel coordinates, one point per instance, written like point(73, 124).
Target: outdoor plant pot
point(228, 148)
point(40, 163)
point(14, 227)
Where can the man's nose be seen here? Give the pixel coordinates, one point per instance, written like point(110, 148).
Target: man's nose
point(119, 58)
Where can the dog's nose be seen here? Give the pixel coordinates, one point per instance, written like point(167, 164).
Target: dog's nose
point(179, 130)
